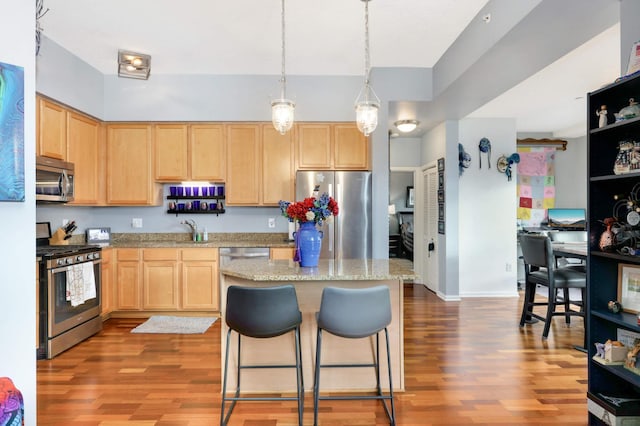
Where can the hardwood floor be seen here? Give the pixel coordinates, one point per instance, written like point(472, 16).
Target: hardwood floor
point(466, 363)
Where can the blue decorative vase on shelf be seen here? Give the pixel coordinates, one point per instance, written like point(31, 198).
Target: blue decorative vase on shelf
point(309, 243)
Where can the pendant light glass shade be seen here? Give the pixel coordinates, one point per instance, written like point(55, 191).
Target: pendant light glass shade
point(282, 115)
point(367, 103)
point(282, 110)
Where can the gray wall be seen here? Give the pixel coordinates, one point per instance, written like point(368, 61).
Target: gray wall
point(224, 98)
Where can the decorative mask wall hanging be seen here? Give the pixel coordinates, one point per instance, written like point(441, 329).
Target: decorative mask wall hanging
point(504, 163)
point(485, 147)
point(464, 159)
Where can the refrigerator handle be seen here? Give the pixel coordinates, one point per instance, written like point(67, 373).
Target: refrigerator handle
point(336, 224)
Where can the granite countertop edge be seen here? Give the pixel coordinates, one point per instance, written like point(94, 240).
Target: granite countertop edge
point(348, 270)
point(183, 240)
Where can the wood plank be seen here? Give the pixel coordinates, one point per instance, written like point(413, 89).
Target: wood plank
point(466, 362)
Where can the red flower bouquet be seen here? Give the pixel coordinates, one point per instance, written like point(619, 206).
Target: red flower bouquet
point(310, 209)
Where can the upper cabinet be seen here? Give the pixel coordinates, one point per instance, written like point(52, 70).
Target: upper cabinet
point(52, 130)
point(207, 152)
point(331, 146)
point(129, 165)
point(84, 151)
point(314, 146)
point(260, 165)
point(189, 152)
point(278, 170)
point(350, 148)
point(243, 164)
point(171, 152)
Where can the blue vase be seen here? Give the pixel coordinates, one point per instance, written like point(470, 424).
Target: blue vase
point(309, 242)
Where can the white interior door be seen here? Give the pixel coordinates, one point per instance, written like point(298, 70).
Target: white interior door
point(430, 228)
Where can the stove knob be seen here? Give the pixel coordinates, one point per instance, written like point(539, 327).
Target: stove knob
point(96, 255)
point(79, 259)
point(68, 260)
point(90, 256)
point(60, 262)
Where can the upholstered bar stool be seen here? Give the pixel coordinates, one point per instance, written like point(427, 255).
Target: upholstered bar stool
point(355, 314)
point(262, 313)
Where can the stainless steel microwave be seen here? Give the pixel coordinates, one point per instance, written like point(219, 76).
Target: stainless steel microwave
point(54, 180)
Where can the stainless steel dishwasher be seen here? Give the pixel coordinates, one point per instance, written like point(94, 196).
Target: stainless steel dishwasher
point(229, 254)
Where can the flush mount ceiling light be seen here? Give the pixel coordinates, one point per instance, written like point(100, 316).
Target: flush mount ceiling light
point(133, 65)
point(406, 126)
point(367, 103)
point(282, 110)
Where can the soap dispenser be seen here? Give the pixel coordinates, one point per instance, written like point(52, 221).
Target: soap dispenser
point(205, 234)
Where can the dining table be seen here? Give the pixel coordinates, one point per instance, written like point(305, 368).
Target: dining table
point(575, 250)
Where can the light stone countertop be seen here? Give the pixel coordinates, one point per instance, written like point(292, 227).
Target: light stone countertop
point(183, 240)
point(327, 270)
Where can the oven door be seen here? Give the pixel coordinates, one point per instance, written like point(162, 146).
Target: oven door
point(70, 306)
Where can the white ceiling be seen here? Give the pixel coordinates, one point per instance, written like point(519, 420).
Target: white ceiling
point(322, 38)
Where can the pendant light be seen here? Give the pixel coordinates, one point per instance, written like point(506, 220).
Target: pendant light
point(367, 103)
point(282, 110)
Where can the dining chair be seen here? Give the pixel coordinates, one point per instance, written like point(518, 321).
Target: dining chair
point(262, 313)
point(540, 269)
point(354, 314)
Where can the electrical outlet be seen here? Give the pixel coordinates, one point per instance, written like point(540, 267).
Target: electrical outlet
point(508, 267)
point(136, 222)
point(272, 222)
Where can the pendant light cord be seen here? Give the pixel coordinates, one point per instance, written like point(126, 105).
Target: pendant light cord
point(366, 43)
point(283, 80)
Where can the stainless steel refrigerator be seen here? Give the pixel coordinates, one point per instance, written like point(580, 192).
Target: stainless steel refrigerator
point(348, 236)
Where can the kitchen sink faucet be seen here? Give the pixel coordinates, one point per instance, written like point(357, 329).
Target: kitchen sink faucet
point(193, 226)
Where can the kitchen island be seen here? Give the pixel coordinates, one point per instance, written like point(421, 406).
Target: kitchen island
point(309, 283)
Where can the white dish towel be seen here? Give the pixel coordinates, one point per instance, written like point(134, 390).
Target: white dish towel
point(81, 283)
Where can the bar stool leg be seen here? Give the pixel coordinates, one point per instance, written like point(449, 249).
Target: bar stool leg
point(316, 383)
point(392, 415)
point(299, 377)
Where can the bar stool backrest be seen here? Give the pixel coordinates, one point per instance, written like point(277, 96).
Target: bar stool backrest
point(262, 312)
point(536, 250)
point(354, 313)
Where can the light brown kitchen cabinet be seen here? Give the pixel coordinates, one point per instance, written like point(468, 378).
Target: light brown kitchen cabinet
point(129, 165)
point(331, 146)
point(278, 169)
point(350, 147)
point(170, 146)
point(200, 286)
point(160, 279)
point(52, 130)
point(314, 146)
point(167, 279)
point(281, 253)
point(84, 151)
point(107, 282)
point(243, 165)
point(128, 279)
point(207, 152)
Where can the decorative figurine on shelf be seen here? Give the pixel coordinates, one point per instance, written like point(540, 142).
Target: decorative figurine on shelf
point(606, 239)
point(628, 112)
point(602, 114)
point(599, 350)
point(614, 306)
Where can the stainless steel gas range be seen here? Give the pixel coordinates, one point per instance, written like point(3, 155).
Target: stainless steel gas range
point(69, 294)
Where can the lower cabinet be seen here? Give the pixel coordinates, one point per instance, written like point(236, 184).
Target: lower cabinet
point(200, 289)
point(107, 282)
point(281, 253)
point(128, 280)
point(160, 279)
point(167, 279)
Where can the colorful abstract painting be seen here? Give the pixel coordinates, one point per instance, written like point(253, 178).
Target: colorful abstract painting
point(11, 132)
point(536, 184)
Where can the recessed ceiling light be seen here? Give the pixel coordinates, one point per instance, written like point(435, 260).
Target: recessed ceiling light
point(406, 126)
